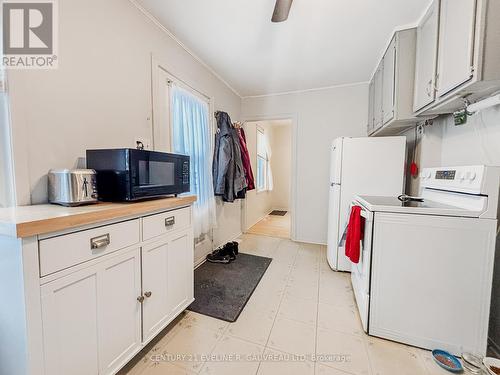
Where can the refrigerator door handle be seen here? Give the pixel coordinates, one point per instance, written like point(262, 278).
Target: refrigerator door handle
point(334, 184)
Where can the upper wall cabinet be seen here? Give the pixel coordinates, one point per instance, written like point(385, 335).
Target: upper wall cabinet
point(426, 58)
point(391, 88)
point(467, 46)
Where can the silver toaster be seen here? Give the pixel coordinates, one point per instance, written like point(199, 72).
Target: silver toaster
point(72, 187)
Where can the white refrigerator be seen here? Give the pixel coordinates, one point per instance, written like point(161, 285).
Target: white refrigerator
point(360, 166)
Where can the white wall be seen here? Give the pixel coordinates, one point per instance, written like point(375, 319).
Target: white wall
point(100, 97)
point(476, 142)
point(281, 162)
point(320, 116)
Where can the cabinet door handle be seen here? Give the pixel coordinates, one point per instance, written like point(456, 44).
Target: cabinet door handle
point(140, 299)
point(100, 242)
point(169, 221)
point(148, 294)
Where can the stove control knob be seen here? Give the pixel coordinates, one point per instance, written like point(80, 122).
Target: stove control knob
point(472, 175)
point(461, 176)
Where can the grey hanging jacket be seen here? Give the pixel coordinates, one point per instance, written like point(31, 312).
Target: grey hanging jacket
point(228, 172)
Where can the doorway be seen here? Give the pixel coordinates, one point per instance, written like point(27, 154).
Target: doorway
point(267, 209)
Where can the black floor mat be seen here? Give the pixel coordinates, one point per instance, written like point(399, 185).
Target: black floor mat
point(222, 290)
point(278, 213)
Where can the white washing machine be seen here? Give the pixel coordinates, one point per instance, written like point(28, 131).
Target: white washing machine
point(425, 272)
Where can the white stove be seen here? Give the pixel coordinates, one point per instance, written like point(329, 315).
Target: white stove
point(424, 207)
point(425, 271)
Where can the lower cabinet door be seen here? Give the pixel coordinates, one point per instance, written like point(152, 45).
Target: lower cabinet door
point(91, 318)
point(155, 285)
point(180, 272)
point(167, 277)
point(119, 311)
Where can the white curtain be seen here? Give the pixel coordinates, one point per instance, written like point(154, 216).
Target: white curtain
point(269, 152)
point(192, 136)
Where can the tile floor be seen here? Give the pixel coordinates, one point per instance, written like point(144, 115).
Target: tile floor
point(300, 308)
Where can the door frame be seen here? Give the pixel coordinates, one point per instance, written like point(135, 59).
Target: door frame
point(293, 178)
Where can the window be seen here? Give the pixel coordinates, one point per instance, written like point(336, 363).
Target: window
point(191, 135)
point(262, 162)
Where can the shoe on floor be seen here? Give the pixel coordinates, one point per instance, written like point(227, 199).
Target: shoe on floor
point(235, 247)
point(217, 256)
point(230, 250)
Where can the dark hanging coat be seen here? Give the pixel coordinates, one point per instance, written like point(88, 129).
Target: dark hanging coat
point(228, 172)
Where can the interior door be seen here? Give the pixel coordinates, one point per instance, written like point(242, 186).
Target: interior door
point(389, 79)
point(426, 60)
point(456, 43)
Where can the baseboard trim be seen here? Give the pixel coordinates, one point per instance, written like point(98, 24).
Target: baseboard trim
point(262, 218)
point(303, 240)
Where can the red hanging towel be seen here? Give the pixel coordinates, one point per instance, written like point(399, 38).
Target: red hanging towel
point(355, 232)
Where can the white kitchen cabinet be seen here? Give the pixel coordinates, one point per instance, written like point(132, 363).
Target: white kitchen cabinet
point(78, 296)
point(466, 46)
point(393, 86)
point(456, 44)
point(370, 122)
point(426, 58)
point(180, 272)
point(377, 97)
point(119, 286)
point(70, 324)
point(91, 318)
point(389, 80)
point(167, 266)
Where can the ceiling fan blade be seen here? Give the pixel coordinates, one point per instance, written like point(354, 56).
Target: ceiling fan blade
point(281, 10)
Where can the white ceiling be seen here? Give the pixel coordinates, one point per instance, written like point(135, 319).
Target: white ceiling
point(323, 43)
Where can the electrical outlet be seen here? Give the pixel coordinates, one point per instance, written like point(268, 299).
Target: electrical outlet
point(145, 142)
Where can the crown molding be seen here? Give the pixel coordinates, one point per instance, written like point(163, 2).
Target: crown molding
point(182, 45)
point(306, 90)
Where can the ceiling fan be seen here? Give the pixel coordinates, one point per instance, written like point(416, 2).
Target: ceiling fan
point(281, 10)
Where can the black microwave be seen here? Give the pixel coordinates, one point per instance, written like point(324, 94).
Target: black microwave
point(129, 174)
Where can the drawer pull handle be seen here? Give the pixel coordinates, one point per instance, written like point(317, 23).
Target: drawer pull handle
point(148, 294)
point(100, 242)
point(169, 221)
point(140, 299)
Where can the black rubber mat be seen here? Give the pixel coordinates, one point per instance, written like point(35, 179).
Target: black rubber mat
point(222, 290)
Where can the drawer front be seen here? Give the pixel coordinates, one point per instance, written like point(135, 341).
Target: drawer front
point(66, 251)
point(166, 222)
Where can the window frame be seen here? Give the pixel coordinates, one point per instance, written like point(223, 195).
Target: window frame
point(265, 158)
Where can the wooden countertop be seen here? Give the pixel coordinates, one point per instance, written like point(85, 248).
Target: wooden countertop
point(28, 221)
